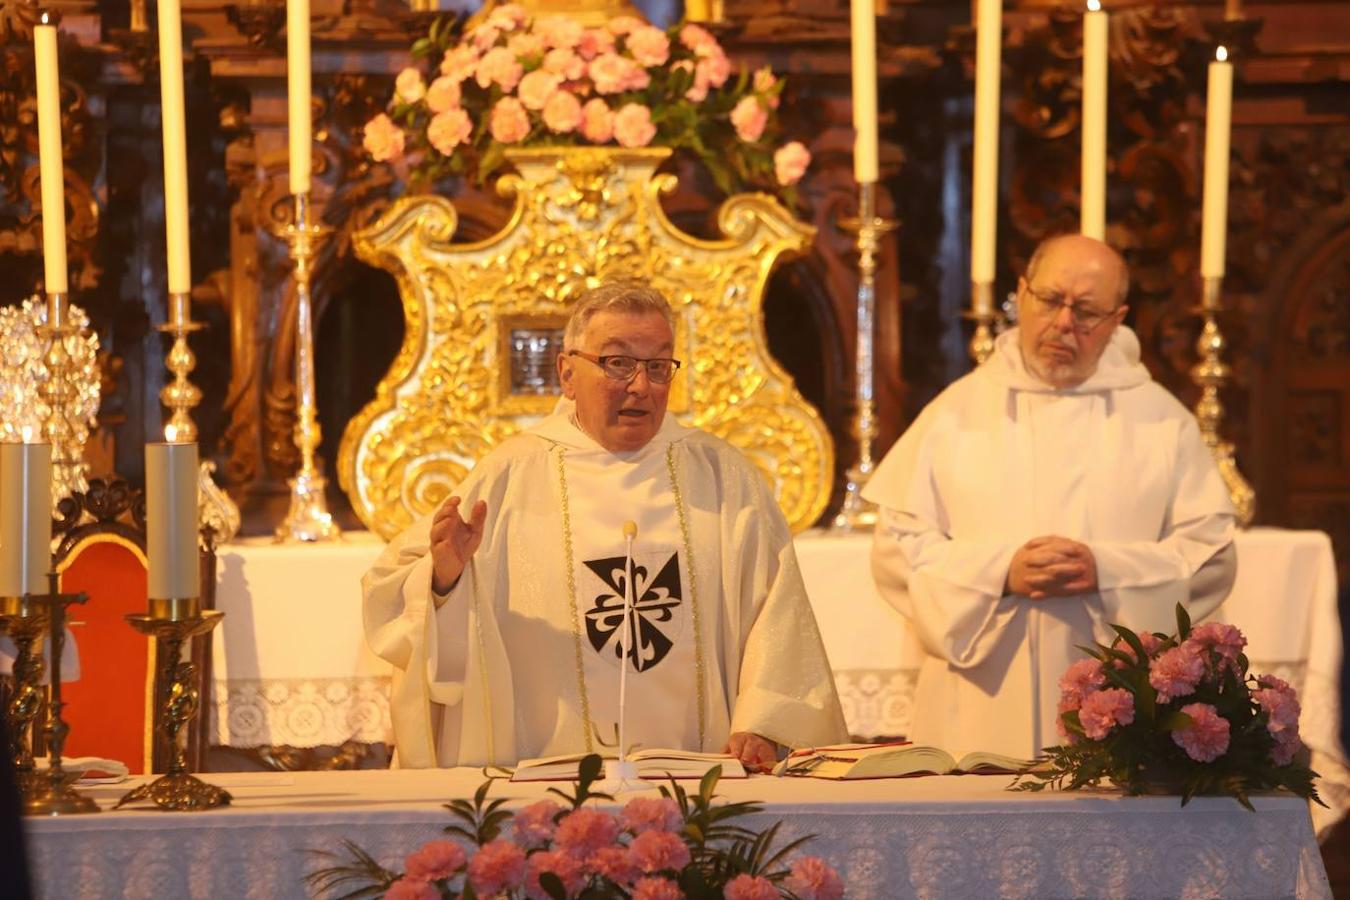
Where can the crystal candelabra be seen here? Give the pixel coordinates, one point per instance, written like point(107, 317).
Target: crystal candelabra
point(308, 518)
point(856, 512)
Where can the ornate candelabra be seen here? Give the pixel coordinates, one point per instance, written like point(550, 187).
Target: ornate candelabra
point(857, 512)
point(1211, 373)
point(171, 623)
point(308, 518)
point(26, 619)
point(63, 428)
point(181, 396)
point(986, 318)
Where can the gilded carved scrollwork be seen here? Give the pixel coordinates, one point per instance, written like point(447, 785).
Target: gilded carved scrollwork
point(581, 217)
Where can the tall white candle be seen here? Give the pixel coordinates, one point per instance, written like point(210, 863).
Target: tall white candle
point(297, 87)
point(49, 157)
point(1218, 125)
point(175, 145)
point(171, 521)
point(984, 180)
point(1095, 58)
point(864, 39)
point(25, 518)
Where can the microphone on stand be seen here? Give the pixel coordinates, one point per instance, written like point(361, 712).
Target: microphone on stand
point(621, 774)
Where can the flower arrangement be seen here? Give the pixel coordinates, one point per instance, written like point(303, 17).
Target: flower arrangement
point(516, 81)
point(654, 848)
point(1181, 712)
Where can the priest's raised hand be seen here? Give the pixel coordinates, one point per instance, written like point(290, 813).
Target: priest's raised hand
point(453, 541)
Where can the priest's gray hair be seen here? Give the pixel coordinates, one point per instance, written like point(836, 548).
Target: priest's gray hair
point(617, 296)
point(1123, 289)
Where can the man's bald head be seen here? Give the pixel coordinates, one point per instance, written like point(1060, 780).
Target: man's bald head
point(1081, 244)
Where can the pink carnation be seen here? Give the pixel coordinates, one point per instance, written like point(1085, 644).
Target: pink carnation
point(1151, 643)
point(510, 123)
point(1067, 704)
point(764, 80)
point(443, 94)
point(460, 63)
point(483, 37)
point(501, 66)
point(562, 113)
point(1104, 710)
point(1281, 709)
point(595, 42)
point(534, 824)
point(448, 130)
point(613, 863)
point(1225, 640)
point(749, 117)
point(790, 162)
point(411, 889)
point(697, 39)
point(435, 859)
point(621, 25)
point(1081, 679)
point(584, 831)
point(409, 86)
point(1206, 738)
point(597, 121)
point(750, 887)
point(537, 88)
point(508, 17)
point(716, 68)
point(1176, 672)
point(633, 126)
point(565, 64)
point(382, 139)
point(657, 851)
point(562, 32)
point(611, 73)
point(813, 879)
point(1287, 746)
point(497, 866)
point(526, 45)
point(651, 814)
point(657, 889)
point(567, 868)
point(649, 46)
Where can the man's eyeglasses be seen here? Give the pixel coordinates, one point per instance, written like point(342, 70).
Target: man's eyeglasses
point(1085, 318)
point(625, 368)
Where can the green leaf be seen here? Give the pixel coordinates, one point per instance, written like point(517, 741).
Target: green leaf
point(708, 783)
point(552, 885)
point(1132, 639)
point(1183, 623)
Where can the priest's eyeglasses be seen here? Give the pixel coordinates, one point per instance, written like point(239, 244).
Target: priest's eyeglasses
point(1085, 318)
point(625, 368)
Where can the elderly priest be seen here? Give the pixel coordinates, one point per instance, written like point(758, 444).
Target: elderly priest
point(1053, 491)
point(502, 611)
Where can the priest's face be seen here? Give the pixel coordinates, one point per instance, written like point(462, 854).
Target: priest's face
point(1067, 310)
point(621, 415)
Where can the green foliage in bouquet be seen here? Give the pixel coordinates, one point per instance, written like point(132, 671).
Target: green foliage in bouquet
point(1179, 713)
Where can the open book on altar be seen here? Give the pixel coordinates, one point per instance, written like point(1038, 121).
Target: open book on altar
point(896, 760)
point(653, 765)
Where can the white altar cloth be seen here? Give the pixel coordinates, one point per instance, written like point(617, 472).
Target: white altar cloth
point(937, 837)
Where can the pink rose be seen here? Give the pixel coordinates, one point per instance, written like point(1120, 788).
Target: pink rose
point(409, 86)
point(621, 25)
point(1080, 679)
point(560, 31)
point(657, 889)
point(1206, 738)
point(411, 889)
point(697, 38)
point(812, 879)
point(443, 94)
point(568, 870)
point(595, 42)
point(435, 859)
point(383, 139)
point(651, 814)
point(649, 46)
point(510, 122)
point(1224, 640)
point(790, 162)
point(613, 863)
point(749, 118)
point(534, 824)
point(562, 113)
point(750, 887)
point(610, 73)
point(597, 121)
point(1104, 710)
point(565, 64)
point(460, 63)
point(1176, 672)
point(537, 88)
point(584, 831)
point(633, 126)
point(526, 45)
point(497, 866)
point(658, 851)
point(501, 66)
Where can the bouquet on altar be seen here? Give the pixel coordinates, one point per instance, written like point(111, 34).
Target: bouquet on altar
point(1179, 713)
point(516, 81)
point(653, 848)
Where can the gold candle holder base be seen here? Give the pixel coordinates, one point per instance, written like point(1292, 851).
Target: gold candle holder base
point(986, 319)
point(178, 789)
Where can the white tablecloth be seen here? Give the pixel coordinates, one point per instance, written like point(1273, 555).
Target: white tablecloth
point(924, 837)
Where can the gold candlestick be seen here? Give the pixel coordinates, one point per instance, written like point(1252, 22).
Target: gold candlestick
point(181, 396)
point(171, 623)
point(23, 620)
point(1211, 373)
point(986, 320)
point(308, 518)
point(857, 512)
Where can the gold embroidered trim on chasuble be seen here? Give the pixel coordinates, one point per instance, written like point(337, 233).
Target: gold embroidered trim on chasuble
point(582, 216)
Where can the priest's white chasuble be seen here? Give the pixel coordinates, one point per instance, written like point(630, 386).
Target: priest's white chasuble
point(523, 657)
point(1000, 458)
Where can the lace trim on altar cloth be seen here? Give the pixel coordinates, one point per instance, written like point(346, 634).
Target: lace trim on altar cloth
point(302, 712)
point(877, 702)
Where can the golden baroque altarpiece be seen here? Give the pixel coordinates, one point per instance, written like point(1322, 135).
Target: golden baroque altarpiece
point(581, 216)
